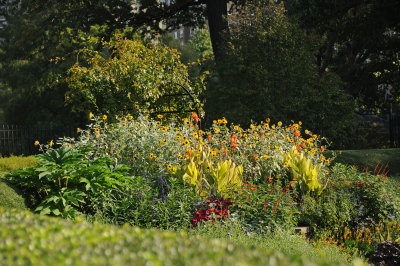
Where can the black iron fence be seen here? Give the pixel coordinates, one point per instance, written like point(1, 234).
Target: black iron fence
point(20, 140)
point(394, 130)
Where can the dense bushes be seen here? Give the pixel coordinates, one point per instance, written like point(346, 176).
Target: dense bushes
point(32, 239)
point(166, 173)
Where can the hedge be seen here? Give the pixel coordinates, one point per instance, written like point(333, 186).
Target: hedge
point(31, 239)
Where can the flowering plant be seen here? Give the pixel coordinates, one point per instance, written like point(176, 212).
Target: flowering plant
point(212, 209)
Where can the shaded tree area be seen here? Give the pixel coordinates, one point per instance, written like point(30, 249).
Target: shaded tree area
point(360, 39)
point(304, 68)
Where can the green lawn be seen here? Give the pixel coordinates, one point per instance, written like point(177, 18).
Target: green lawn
point(370, 158)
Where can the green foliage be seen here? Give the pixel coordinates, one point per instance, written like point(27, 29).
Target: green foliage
point(65, 182)
point(13, 162)
point(359, 43)
point(270, 69)
point(130, 74)
point(220, 180)
point(283, 241)
point(351, 199)
point(10, 197)
point(302, 170)
point(33, 239)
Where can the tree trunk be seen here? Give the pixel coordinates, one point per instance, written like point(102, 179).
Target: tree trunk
point(218, 26)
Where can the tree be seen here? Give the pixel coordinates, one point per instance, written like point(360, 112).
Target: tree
point(128, 74)
point(270, 71)
point(359, 38)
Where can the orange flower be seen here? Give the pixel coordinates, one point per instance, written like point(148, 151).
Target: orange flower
point(297, 133)
point(195, 117)
point(322, 148)
point(209, 138)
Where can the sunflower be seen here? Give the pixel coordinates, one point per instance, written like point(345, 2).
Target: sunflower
point(36, 142)
point(104, 117)
point(97, 130)
point(151, 156)
point(169, 166)
point(164, 128)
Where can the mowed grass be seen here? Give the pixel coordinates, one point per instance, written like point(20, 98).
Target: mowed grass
point(9, 196)
point(364, 159)
point(13, 162)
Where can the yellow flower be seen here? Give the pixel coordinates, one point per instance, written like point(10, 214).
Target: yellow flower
point(279, 123)
point(224, 121)
point(36, 142)
point(300, 123)
point(169, 166)
point(97, 130)
point(328, 162)
point(77, 130)
point(307, 132)
point(266, 126)
point(223, 142)
point(180, 156)
point(195, 135)
point(201, 132)
point(265, 156)
point(214, 121)
point(178, 137)
point(236, 127)
point(214, 153)
point(104, 117)
point(219, 121)
point(160, 116)
point(186, 142)
point(156, 159)
point(90, 115)
point(278, 148)
point(51, 143)
point(164, 128)
point(216, 130)
point(158, 123)
point(314, 136)
point(268, 119)
point(151, 156)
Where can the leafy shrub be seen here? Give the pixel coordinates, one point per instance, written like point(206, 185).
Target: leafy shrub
point(32, 239)
point(65, 182)
point(216, 163)
point(212, 210)
point(265, 207)
point(129, 74)
point(351, 199)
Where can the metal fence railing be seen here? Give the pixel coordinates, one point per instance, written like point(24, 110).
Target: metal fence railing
point(19, 140)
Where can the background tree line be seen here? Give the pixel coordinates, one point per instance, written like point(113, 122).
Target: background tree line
point(314, 61)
